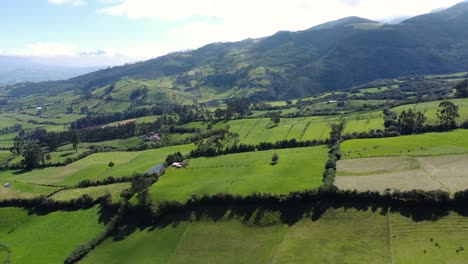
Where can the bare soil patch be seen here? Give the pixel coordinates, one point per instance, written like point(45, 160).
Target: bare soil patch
point(448, 173)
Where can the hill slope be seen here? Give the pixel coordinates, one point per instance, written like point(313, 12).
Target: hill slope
point(330, 56)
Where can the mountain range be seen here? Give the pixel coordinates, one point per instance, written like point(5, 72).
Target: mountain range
point(331, 56)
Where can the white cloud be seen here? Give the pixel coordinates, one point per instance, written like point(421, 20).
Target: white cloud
point(48, 49)
point(70, 2)
point(246, 18)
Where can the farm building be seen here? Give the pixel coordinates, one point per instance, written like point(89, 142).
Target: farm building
point(178, 165)
point(155, 169)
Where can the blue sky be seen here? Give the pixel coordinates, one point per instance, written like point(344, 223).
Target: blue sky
point(148, 28)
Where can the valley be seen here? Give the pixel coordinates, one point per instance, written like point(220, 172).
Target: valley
point(343, 143)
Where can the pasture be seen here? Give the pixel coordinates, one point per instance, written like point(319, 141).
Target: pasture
point(429, 144)
point(253, 131)
point(448, 173)
point(430, 109)
point(95, 167)
point(23, 190)
point(47, 238)
point(94, 192)
point(338, 236)
point(244, 173)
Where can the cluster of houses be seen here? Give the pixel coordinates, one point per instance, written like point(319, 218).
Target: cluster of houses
point(153, 136)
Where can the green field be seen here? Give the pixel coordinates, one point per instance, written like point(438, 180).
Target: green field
point(23, 190)
point(95, 192)
point(46, 238)
point(430, 109)
point(244, 173)
point(253, 131)
point(95, 167)
point(429, 144)
point(339, 236)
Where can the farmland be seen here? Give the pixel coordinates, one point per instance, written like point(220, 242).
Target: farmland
point(94, 192)
point(244, 173)
point(239, 207)
point(429, 144)
point(95, 167)
point(425, 162)
point(46, 238)
point(364, 236)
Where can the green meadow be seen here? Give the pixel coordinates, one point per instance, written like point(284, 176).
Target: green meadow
point(94, 192)
point(430, 109)
point(95, 167)
point(429, 144)
point(338, 236)
point(244, 173)
point(46, 238)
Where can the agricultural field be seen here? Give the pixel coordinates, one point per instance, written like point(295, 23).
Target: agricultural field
point(338, 236)
point(430, 109)
point(448, 173)
point(244, 173)
point(94, 192)
point(431, 161)
point(429, 144)
point(253, 131)
point(46, 238)
point(95, 167)
point(23, 190)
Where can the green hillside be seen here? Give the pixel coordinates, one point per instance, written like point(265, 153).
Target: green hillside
point(331, 56)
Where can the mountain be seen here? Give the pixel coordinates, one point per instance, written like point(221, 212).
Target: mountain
point(327, 57)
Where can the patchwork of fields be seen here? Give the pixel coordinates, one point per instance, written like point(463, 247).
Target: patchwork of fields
point(448, 173)
point(424, 162)
point(339, 236)
point(95, 167)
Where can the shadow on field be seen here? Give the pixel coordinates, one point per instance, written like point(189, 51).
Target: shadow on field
point(271, 214)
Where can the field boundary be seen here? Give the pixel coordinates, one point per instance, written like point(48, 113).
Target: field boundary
point(423, 169)
point(182, 238)
point(389, 239)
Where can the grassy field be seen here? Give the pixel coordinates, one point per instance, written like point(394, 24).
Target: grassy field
point(23, 190)
point(430, 109)
point(95, 167)
point(47, 238)
point(447, 172)
point(244, 173)
point(339, 236)
point(253, 131)
point(429, 144)
point(95, 192)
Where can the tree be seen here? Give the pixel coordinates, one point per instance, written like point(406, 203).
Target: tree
point(275, 117)
point(18, 144)
point(33, 156)
point(419, 121)
point(461, 89)
point(274, 159)
point(390, 120)
point(220, 113)
point(111, 164)
point(238, 105)
point(447, 113)
point(75, 139)
point(406, 122)
point(176, 157)
point(336, 131)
